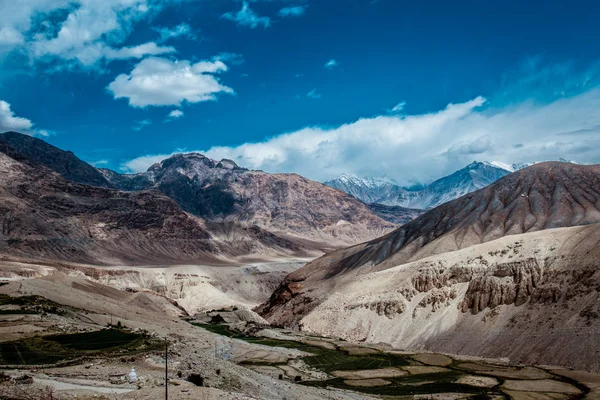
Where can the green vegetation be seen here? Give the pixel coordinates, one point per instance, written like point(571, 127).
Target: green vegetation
point(329, 360)
point(32, 305)
point(51, 349)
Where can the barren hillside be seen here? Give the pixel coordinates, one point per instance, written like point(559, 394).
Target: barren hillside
point(43, 216)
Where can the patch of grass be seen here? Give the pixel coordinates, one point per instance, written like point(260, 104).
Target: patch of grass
point(401, 390)
point(21, 312)
point(55, 348)
point(328, 360)
point(99, 340)
point(219, 329)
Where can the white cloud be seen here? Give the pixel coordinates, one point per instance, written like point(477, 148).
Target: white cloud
point(99, 163)
point(139, 51)
point(10, 37)
point(296, 11)
point(247, 17)
point(398, 108)
point(80, 32)
point(157, 81)
point(331, 64)
point(141, 164)
point(313, 94)
point(182, 29)
point(421, 147)
point(10, 122)
point(176, 114)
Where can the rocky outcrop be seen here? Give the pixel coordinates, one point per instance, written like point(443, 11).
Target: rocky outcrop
point(388, 308)
point(543, 196)
point(395, 214)
point(24, 147)
point(508, 283)
point(222, 191)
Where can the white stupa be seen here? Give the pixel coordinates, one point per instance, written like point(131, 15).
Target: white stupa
point(132, 375)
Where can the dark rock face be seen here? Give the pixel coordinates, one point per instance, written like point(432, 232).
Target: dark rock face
point(63, 162)
point(395, 214)
point(223, 191)
point(492, 288)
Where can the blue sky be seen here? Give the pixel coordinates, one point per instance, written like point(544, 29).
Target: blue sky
point(410, 90)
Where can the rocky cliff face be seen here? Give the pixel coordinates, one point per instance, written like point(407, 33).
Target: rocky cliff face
point(64, 162)
point(543, 196)
point(282, 203)
point(532, 298)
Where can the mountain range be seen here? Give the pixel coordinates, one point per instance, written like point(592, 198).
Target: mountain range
point(487, 274)
point(185, 208)
point(497, 272)
point(386, 191)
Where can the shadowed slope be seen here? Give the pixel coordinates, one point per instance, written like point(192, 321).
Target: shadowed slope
point(543, 196)
point(43, 216)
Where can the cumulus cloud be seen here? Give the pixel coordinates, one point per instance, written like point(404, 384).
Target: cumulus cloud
point(81, 32)
point(331, 64)
point(157, 81)
point(141, 164)
point(296, 11)
point(176, 114)
point(10, 122)
point(425, 146)
point(247, 17)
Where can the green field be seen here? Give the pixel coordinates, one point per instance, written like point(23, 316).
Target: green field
point(329, 360)
point(55, 348)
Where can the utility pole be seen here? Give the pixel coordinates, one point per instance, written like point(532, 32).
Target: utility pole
point(166, 369)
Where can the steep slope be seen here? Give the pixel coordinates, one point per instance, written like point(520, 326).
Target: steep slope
point(395, 214)
point(63, 162)
point(474, 176)
point(543, 196)
point(285, 204)
point(531, 298)
point(45, 217)
point(222, 192)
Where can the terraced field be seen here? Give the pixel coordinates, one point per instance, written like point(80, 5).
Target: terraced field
point(373, 371)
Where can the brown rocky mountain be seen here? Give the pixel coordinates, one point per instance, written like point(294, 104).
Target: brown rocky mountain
point(220, 211)
point(285, 204)
point(45, 217)
point(395, 214)
point(63, 162)
point(541, 197)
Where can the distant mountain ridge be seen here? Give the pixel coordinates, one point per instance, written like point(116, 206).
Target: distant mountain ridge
point(221, 192)
point(386, 191)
